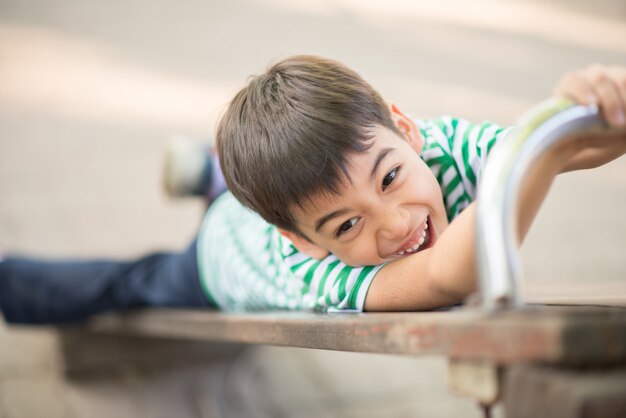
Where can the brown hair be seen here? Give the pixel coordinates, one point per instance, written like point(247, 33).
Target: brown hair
point(287, 135)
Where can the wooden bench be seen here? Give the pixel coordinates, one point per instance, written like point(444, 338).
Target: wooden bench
point(541, 360)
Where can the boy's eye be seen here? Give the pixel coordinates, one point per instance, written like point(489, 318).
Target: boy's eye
point(346, 226)
point(390, 177)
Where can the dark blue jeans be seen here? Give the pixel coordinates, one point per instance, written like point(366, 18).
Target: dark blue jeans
point(33, 291)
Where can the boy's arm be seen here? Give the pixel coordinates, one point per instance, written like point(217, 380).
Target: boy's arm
point(446, 273)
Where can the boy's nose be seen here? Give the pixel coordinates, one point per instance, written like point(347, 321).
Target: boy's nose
point(395, 224)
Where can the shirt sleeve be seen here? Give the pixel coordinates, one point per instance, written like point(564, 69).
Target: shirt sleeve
point(456, 152)
point(329, 285)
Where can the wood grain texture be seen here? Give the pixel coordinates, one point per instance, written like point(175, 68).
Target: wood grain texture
point(552, 334)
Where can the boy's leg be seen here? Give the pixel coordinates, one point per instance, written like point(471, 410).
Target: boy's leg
point(51, 292)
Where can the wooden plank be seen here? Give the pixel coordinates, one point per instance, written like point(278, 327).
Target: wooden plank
point(97, 355)
point(541, 391)
point(552, 335)
point(566, 335)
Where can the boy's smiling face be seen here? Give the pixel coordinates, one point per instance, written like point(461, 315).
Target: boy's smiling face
point(390, 207)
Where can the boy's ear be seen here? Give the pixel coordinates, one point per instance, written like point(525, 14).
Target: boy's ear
point(407, 127)
point(304, 245)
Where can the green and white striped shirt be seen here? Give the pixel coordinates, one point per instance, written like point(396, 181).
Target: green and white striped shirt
point(245, 264)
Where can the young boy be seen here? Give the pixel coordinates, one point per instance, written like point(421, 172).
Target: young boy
point(339, 202)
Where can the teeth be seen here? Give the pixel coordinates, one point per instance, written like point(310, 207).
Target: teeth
point(419, 242)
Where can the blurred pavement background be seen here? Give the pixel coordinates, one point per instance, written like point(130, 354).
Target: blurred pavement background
point(91, 91)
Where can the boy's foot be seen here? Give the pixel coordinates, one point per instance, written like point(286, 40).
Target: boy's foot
point(192, 169)
point(187, 168)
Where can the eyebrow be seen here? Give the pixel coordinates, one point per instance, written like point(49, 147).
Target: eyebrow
point(321, 221)
point(379, 159)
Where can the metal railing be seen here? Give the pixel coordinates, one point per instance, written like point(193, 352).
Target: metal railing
point(553, 122)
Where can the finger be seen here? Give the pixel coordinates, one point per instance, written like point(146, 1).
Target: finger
point(575, 86)
point(609, 97)
point(618, 77)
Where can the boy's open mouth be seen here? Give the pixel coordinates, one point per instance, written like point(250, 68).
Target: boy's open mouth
point(420, 240)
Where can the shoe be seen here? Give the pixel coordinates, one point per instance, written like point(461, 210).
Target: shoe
point(187, 168)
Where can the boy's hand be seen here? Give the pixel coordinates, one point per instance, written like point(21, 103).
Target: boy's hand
point(599, 85)
point(606, 88)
